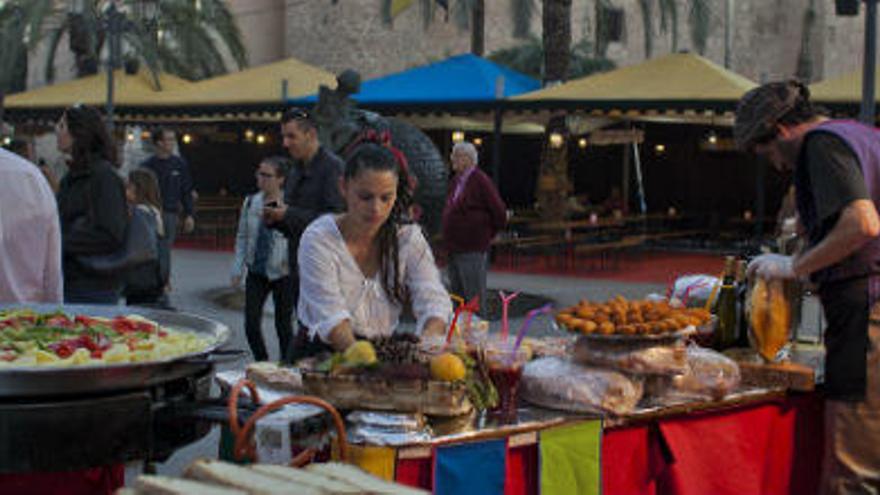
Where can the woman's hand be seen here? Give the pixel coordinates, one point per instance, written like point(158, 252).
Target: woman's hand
point(342, 336)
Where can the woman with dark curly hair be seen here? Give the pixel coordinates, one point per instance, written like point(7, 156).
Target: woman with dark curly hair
point(358, 269)
point(91, 204)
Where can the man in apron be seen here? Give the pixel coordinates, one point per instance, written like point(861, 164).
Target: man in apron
point(836, 171)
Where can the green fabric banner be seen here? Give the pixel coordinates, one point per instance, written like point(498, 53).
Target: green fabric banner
point(570, 459)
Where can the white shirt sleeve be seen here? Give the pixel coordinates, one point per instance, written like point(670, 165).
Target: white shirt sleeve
point(429, 297)
point(241, 239)
point(321, 303)
point(53, 285)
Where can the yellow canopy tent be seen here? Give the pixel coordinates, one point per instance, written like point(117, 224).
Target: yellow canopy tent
point(128, 89)
point(842, 89)
point(681, 81)
point(257, 85)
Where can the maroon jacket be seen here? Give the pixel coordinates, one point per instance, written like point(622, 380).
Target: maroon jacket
point(470, 222)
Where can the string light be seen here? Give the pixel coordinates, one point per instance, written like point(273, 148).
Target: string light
point(187, 138)
point(582, 143)
point(556, 140)
point(478, 141)
point(261, 139)
point(712, 138)
point(457, 136)
point(660, 148)
point(249, 135)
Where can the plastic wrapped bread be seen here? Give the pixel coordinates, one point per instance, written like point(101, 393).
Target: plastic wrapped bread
point(561, 384)
point(665, 359)
point(709, 375)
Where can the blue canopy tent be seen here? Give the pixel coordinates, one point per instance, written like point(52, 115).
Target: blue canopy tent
point(460, 84)
point(464, 81)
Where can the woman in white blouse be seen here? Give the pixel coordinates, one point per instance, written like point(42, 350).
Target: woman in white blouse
point(359, 268)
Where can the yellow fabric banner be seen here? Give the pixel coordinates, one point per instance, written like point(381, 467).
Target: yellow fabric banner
point(570, 459)
point(377, 460)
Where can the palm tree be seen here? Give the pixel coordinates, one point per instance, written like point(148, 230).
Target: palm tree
point(20, 33)
point(467, 15)
point(522, 12)
point(183, 38)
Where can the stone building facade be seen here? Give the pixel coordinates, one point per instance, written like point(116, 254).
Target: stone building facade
point(766, 41)
point(767, 36)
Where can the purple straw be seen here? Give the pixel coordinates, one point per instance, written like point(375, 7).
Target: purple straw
point(526, 324)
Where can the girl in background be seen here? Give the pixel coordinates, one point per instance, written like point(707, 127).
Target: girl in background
point(145, 284)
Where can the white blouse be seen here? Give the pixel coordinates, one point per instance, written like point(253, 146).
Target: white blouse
point(332, 287)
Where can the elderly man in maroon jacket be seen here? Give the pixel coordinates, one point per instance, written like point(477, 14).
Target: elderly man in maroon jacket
point(473, 214)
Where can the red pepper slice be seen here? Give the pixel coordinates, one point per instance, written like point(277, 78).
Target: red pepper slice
point(63, 349)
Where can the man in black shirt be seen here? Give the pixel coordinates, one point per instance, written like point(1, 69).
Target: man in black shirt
point(836, 171)
point(311, 188)
point(175, 186)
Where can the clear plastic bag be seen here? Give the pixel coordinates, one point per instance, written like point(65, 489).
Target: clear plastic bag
point(665, 359)
point(560, 384)
point(694, 290)
point(709, 375)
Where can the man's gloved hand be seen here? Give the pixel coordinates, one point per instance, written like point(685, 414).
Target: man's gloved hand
point(772, 266)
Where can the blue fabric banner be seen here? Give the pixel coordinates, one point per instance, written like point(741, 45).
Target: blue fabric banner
point(477, 468)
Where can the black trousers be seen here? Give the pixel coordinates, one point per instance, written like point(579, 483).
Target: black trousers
point(257, 288)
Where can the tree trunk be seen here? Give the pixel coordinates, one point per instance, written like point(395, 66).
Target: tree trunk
point(478, 28)
point(556, 23)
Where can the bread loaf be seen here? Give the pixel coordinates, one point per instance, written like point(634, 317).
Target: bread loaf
point(366, 481)
point(253, 482)
point(161, 485)
point(309, 478)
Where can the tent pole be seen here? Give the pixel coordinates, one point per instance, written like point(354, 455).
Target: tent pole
point(869, 64)
point(625, 181)
point(638, 162)
point(496, 146)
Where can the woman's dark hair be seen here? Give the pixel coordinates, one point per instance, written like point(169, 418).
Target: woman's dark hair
point(376, 157)
point(279, 163)
point(146, 187)
point(90, 137)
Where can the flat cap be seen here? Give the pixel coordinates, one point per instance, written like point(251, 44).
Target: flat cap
point(760, 109)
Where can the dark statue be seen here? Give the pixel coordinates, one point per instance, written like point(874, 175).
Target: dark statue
point(341, 123)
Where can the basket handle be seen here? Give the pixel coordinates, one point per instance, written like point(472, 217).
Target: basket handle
point(245, 447)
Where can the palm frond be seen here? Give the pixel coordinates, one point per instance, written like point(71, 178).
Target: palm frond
point(54, 39)
point(461, 12)
point(385, 12)
point(521, 14)
point(669, 21)
point(699, 19)
point(146, 50)
point(647, 14)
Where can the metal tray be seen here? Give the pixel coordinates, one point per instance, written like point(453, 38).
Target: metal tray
point(41, 381)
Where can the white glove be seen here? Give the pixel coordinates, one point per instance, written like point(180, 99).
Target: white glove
point(772, 266)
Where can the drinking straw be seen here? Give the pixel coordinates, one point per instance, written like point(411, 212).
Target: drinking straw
point(458, 299)
point(714, 290)
point(505, 305)
point(526, 324)
point(473, 305)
